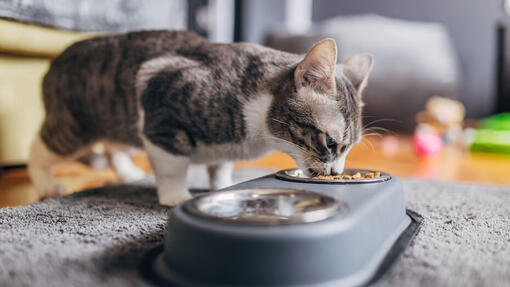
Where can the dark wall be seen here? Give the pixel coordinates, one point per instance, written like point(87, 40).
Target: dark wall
point(260, 16)
point(472, 26)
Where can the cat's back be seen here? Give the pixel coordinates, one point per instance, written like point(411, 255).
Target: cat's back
point(94, 81)
point(129, 48)
point(109, 60)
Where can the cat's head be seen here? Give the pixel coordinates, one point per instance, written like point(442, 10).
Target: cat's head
point(316, 114)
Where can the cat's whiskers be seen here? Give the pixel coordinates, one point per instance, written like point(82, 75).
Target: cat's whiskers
point(288, 142)
point(378, 129)
point(371, 145)
point(309, 158)
point(368, 131)
point(292, 154)
point(372, 134)
point(312, 158)
point(374, 131)
point(381, 120)
point(364, 144)
point(278, 121)
point(346, 131)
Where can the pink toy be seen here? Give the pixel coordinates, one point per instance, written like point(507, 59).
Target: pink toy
point(390, 145)
point(427, 142)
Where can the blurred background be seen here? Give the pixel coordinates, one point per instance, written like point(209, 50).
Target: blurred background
point(435, 102)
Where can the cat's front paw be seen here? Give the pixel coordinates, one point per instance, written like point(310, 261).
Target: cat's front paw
point(220, 175)
point(52, 190)
point(174, 199)
point(221, 182)
point(132, 175)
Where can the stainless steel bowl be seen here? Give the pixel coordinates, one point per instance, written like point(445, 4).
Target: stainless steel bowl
point(265, 206)
point(298, 176)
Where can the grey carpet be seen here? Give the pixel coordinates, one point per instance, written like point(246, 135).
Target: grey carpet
point(98, 237)
point(465, 238)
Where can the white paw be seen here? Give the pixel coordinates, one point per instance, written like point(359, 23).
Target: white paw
point(125, 168)
point(173, 198)
point(132, 175)
point(52, 190)
point(221, 182)
point(220, 176)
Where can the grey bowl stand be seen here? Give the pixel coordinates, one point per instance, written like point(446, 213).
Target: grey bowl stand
point(353, 248)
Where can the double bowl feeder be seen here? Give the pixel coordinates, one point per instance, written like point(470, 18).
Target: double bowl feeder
point(286, 229)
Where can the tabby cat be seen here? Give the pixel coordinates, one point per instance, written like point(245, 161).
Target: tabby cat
point(186, 100)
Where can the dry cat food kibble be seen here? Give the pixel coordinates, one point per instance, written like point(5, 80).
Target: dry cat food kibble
point(357, 175)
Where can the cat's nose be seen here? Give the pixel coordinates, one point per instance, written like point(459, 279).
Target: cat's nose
point(338, 166)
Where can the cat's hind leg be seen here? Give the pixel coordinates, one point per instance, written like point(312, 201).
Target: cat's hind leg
point(40, 162)
point(220, 175)
point(171, 171)
point(120, 159)
point(40, 168)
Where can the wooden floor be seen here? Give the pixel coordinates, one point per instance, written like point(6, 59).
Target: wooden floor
point(452, 164)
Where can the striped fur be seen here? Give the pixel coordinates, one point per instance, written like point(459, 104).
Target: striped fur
point(187, 100)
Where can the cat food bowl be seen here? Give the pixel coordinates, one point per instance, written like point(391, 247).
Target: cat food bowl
point(298, 176)
point(273, 231)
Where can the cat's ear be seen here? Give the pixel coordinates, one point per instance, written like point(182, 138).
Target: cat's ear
point(318, 66)
point(357, 69)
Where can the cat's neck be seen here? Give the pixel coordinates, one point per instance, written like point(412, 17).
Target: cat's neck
point(278, 67)
point(255, 113)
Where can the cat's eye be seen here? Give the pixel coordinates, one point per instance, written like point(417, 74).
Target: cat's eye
point(330, 142)
point(343, 148)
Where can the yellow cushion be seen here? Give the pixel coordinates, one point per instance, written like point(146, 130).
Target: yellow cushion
point(21, 109)
point(26, 39)
point(25, 54)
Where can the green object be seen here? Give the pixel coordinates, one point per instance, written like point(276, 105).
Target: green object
point(497, 122)
point(492, 140)
point(493, 135)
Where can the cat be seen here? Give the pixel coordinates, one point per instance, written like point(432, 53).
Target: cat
point(186, 100)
